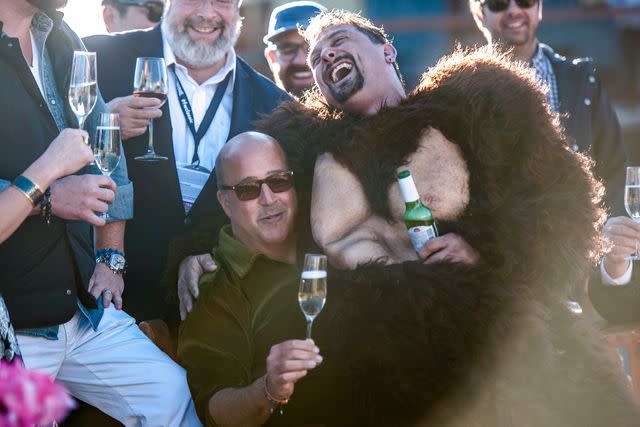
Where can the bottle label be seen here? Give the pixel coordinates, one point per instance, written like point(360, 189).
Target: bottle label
point(420, 235)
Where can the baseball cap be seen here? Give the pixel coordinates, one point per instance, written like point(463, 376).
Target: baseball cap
point(289, 16)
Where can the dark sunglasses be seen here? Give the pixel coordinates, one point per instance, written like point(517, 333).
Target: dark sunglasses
point(278, 182)
point(502, 5)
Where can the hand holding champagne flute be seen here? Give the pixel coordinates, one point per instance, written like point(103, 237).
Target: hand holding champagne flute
point(106, 148)
point(313, 287)
point(150, 81)
point(632, 199)
point(83, 86)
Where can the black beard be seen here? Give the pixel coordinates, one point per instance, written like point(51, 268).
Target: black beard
point(348, 87)
point(48, 5)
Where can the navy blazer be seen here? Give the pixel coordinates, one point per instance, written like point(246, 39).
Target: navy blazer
point(158, 210)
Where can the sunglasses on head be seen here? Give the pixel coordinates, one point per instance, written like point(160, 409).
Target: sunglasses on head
point(502, 5)
point(249, 190)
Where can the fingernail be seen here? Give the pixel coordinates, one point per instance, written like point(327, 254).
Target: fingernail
point(316, 349)
point(319, 359)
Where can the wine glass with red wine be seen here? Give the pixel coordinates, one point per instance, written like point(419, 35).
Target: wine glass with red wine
point(150, 81)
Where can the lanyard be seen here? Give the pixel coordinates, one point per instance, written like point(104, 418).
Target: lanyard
point(185, 106)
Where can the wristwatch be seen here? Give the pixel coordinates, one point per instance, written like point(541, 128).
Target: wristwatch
point(113, 258)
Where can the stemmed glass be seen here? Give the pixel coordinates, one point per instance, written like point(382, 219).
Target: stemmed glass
point(106, 149)
point(313, 287)
point(632, 200)
point(150, 81)
point(83, 86)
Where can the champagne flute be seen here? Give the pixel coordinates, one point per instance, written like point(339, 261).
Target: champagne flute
point(83, 86)
point(313, 287)
point(106, 149)
point(150, 81)
point(632, 200)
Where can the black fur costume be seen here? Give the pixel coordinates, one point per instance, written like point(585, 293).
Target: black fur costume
point(447, 344)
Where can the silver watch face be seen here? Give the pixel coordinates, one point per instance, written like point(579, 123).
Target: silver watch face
point(117, 262)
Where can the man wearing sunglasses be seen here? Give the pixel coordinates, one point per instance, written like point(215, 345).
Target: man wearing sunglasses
point(286, 50)
point(127, 15)
point(575, 92)
point(573, 89)
point(237, 342)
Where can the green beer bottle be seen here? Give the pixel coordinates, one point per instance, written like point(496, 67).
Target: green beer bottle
point(417, 217)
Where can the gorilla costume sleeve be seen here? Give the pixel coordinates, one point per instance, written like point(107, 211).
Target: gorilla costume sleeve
point(445, 344)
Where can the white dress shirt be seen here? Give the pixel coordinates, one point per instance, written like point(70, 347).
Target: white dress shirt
point(618, 281)
point(200, 97)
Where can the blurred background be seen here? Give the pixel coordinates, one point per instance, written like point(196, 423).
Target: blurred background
point(424, 30)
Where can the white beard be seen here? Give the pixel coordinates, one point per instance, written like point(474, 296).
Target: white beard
point(200, 54)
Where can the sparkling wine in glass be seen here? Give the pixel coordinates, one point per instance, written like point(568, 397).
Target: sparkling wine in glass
point(632, 199)
point(106, 148)
point(313, 287)
point(150, 81)
point(83, 86)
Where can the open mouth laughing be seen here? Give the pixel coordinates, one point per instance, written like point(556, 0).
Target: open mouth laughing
point(343, 78)
point(339, 71)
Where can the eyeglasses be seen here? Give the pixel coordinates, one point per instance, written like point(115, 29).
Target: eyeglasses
point(288, 51)
point(278, 182)
point(502, 5)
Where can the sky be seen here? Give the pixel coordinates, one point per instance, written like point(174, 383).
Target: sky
point(84, 17)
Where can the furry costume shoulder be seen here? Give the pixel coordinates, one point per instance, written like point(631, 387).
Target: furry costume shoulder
point(453, 345)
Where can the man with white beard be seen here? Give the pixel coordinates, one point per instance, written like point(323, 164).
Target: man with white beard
point(206, 82)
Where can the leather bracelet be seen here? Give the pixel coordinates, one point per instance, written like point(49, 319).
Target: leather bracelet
point(30, 189)
point(277, 402)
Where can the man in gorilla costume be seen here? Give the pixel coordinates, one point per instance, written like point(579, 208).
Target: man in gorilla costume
point(432, 339)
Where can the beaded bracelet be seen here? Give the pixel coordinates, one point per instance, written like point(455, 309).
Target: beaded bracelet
point(277, 402)
point(45, 207)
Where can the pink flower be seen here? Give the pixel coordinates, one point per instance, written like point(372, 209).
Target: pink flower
point(29, 398)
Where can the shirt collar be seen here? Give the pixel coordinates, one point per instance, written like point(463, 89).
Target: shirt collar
point(40, 23)
point(229, 65)
point(538, 59)
point(238, 257)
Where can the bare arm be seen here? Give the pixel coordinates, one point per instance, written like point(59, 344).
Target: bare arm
point(66, 154)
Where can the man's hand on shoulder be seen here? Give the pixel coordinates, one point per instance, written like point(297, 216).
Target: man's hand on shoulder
point(190, 270)
point(448, 248)
point(81, 197)
point(135, 114)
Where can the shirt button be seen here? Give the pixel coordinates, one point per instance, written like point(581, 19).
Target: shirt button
point(53, 101)
point(68, 292)
point(10, 44)
point(575, 147)
point(587, 102)
point(592, 79)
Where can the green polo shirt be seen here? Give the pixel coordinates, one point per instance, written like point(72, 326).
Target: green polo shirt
point(245, 307)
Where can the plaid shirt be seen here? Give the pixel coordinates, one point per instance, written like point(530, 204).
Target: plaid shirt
point(544, 72)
